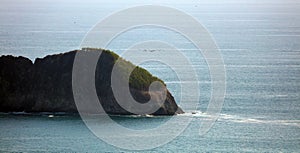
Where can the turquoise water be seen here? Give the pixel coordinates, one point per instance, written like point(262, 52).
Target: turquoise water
point(229, 134)
point(260, 44)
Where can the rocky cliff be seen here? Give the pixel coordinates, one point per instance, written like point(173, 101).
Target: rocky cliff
point(46, 85)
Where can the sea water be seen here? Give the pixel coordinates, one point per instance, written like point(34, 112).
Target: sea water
point(260, 45)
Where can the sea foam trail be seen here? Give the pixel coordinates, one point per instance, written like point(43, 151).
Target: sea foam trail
point(239, 119)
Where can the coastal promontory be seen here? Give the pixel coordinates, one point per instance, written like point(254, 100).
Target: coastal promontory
point(45, 85)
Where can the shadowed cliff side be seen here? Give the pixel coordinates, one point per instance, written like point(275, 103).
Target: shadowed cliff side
point(46, 84)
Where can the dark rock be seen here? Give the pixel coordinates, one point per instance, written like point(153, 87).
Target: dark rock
point(15, 83)
point(46, 85)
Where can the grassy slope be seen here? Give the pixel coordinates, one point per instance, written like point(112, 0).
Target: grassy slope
point(139, 78)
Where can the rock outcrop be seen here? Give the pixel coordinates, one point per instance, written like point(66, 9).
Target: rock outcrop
point(46, 85)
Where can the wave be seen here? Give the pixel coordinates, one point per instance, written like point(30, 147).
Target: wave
point(194, 114)
point(134, 116)
point(38, 113)
point(239, 119)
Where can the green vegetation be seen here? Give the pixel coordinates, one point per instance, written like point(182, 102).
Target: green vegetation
point(139, 77)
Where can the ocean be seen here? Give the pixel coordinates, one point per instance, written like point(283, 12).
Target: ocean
point(260, 45)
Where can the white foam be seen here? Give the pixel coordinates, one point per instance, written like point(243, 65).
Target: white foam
point(239, 119)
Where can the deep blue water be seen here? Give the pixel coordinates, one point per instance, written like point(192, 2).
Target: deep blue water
point(260, 44)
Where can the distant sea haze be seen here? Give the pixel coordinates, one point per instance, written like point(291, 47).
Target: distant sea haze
point(259, 42)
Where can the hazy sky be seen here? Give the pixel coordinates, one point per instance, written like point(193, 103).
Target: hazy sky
point(34, 28)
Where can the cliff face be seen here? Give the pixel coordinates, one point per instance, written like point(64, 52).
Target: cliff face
point(46, 85)
point(15, 83)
